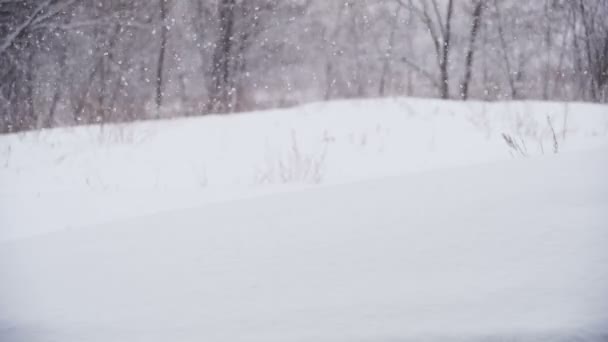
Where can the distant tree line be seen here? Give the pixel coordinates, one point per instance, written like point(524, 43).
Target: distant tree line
point(67, 62)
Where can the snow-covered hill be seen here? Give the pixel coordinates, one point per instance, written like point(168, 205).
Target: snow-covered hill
point(509, 251)
point(68, 178)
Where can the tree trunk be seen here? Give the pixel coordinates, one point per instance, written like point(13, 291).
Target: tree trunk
point(50, 120)
point(221, 71)
point(477, 13)
point(161, 55)
point(389, 55)
point(445, 57)
point(505, 52)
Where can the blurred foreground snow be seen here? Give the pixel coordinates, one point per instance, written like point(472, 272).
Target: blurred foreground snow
point(509, 251)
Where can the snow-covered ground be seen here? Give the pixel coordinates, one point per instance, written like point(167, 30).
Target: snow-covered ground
point(378, 220)
point(512, 251)
point(83, 176)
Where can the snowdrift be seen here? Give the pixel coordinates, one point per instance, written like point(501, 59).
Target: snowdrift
point(509, 251)
point(68, 178)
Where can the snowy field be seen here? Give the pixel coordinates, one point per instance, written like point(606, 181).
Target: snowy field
point(83, 176)
point(506, 252)
point(379, 220)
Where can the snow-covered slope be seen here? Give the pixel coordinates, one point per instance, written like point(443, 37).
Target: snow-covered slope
point(68, 178)
point(511, 251)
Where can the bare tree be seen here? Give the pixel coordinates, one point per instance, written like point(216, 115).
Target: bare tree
point(440, 32)
point(161, 53)
point(468, 68)
point(388, 56)
point(221, 87)
point(26, 29)
point(510, 73)
point(66, 62)
point(591, 41)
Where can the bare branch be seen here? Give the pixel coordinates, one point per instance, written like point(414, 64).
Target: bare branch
point(10, 39)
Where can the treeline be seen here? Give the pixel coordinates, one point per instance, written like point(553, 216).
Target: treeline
point(66, 62)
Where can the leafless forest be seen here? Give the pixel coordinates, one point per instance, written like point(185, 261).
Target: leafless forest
point(67, 62)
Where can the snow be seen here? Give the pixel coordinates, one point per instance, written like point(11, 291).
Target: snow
point(104, 173)
point(376, 220)
point(512, 250)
